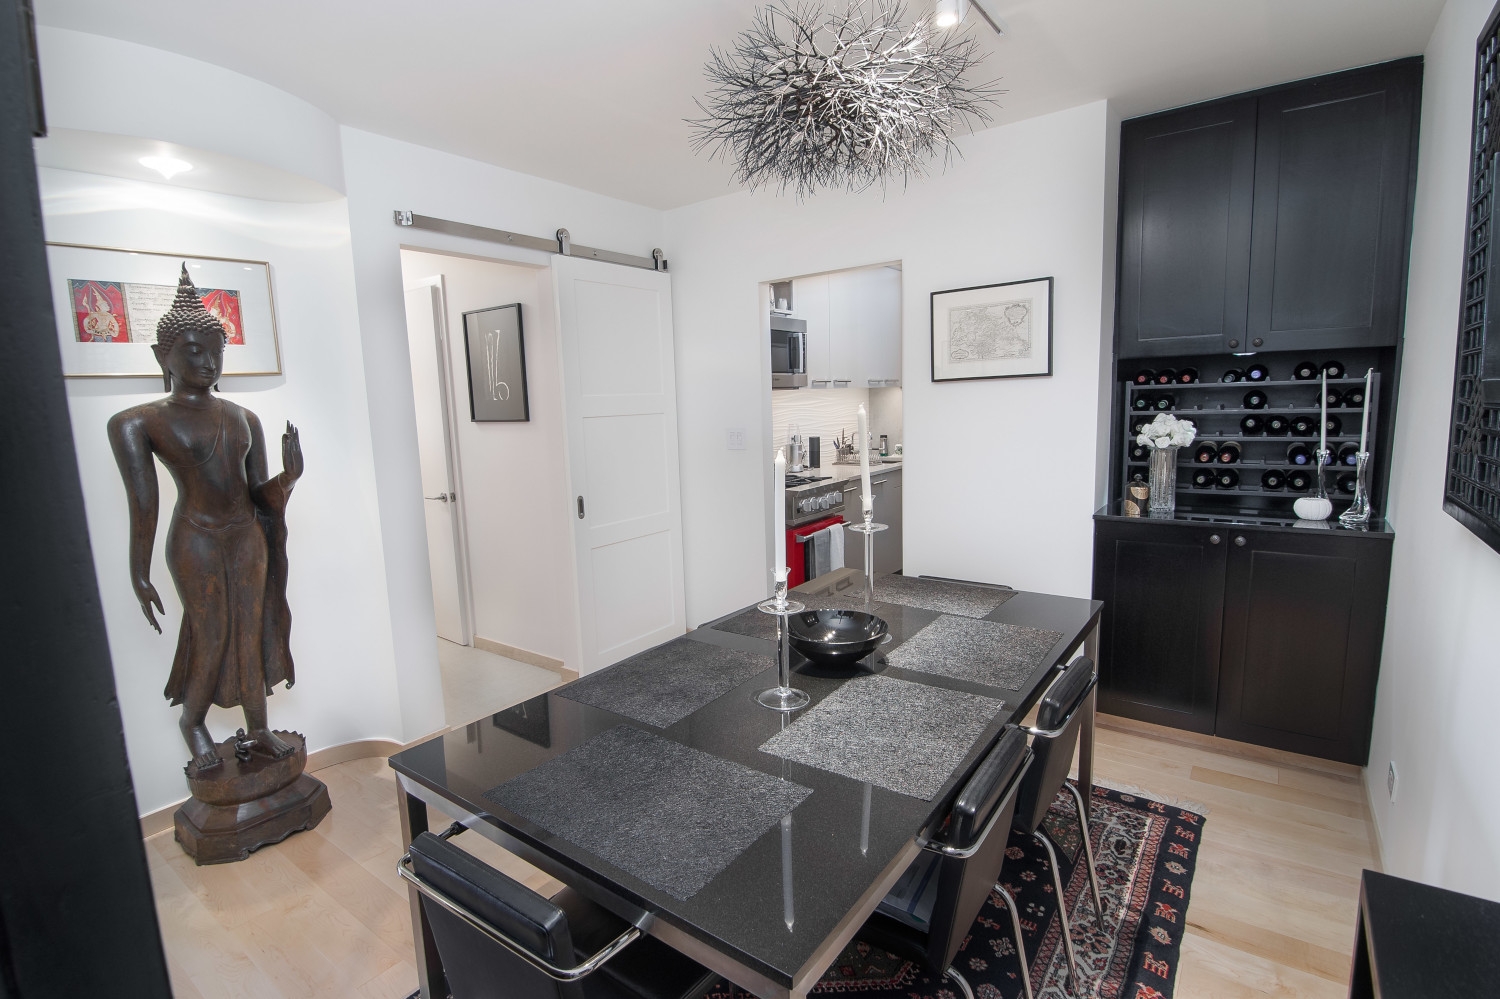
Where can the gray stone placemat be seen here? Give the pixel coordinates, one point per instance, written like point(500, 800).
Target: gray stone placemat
point(663, 812)
point(1000, 655)
point(940, 595)
point(906, 737)
point(664, 685)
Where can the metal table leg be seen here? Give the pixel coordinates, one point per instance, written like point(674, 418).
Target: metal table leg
point(430, 978)
point(1086, 731)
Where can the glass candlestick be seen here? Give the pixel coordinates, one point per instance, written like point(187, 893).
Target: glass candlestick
point(783, 697)
point(1358, 513)
point(869, 530)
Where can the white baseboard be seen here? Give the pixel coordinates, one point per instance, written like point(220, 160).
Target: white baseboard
point(525, 656)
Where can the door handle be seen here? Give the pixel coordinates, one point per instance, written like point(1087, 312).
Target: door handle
point(1214, 539)
point(1239, 541)
point(443, 497)
point(580, 508)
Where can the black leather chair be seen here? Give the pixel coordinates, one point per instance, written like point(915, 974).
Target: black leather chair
point(927, 916)
point(1058, 719)
point(498, 938)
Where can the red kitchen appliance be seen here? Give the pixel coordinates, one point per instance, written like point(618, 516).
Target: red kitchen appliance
point(813, 502)
point(798, 540)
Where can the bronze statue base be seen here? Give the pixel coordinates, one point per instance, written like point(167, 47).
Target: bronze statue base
point(244, 804)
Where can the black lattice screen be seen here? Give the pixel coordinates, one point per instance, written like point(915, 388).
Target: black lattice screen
point(1472, 491)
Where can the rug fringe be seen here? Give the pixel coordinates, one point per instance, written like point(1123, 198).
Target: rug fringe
point(1165, 799)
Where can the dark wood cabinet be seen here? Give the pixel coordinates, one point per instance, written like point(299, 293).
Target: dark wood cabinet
point(1259, 633)
point(1161, 623)
point(1334, 172)
point(1186, 181)
point(1272, 221)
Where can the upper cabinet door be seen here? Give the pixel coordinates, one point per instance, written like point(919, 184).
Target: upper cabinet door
point(1334, 174)
point(1186, 182)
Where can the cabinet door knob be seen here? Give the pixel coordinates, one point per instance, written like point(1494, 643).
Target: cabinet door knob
point(1256, 342)
point(1239, 541)
point(1233, 344)
point(1214, 539)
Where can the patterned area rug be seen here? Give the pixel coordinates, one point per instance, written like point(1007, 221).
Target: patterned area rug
point(1146, 851)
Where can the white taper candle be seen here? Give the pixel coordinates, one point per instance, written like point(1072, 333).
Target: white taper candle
point(867, 505)
point(1323, 415)
point(779, 520)
point(1364, 420)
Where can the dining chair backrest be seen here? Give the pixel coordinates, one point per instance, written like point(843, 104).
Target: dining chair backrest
point(1059, 715)
point(964, 883)
point(478, 967)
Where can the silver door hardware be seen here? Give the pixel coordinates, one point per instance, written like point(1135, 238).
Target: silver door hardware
point(444, 497)
point(580, 508)
point(1213, 539)
point(560, 243)
point(1239, 541)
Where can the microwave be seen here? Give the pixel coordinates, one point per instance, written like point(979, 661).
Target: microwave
point(788, 353)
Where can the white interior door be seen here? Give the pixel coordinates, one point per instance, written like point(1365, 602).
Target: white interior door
point(620, 404)
point(427, 335)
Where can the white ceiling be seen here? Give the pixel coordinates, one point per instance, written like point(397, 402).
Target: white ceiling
point(593, 93)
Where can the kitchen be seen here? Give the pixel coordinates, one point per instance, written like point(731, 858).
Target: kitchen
point(835, 347)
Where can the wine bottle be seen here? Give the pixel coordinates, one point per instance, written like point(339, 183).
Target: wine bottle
point(1255, 399)
point(1138, 425)
point(1306, 371)
point(1335, 369)
point(1355, 397)
point(1299, 480)
point(1227, 478)
point(1207, 453)
point(1257, 373)
point(1299, 454)
point(1335, 398)
point(1278, 425)
point(1334, 426)
point(1165, 402)
point(1349, 455)
point(1228, 453)
point(1346, 483)
point(1304, 426)
point(1142, 401)
point(1166, 376)
point(1203, 478)
point(1252, 425)
point(1232, 375)
point(1187, 376)
point(1145, 376)
point(1272, 478)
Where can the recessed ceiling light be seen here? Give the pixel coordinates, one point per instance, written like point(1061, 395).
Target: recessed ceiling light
point(950, 12)
point(167, 166)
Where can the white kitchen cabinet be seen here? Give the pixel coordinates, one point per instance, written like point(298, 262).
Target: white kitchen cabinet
point(853, 327)
point(811, 296)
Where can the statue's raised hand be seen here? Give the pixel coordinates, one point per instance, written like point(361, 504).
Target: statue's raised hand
point(147, 595)
point(291, 452)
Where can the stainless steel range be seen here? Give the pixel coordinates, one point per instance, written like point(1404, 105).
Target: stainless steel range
point(810, 498)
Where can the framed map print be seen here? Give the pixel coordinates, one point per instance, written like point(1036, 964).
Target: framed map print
point(109, 301)
point(992, 331)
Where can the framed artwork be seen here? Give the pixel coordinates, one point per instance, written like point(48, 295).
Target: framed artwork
point(496, 352)
point(992, 331)
point(108, 302)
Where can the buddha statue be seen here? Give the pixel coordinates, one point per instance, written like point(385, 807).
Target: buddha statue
point(226, 546)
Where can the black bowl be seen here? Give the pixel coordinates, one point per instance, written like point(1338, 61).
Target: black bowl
point(836, 637)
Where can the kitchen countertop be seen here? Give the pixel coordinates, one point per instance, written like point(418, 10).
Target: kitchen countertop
point(842, 473)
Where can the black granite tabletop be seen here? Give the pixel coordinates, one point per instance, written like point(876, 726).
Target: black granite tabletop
point(771, 906)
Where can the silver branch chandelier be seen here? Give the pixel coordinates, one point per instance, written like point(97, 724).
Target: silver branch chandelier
point(806, 100)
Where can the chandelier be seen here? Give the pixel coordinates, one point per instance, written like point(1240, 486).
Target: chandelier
point(805, 100)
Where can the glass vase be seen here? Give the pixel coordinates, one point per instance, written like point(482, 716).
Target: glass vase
point(1163, 500)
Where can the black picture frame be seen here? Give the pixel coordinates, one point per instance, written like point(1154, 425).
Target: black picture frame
point(495, 339)
point(980, 298)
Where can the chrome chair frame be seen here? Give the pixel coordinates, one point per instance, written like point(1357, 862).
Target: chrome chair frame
point(573, 974)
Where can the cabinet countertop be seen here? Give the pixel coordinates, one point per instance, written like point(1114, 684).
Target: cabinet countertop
point(1377, 528)
point(843, 473)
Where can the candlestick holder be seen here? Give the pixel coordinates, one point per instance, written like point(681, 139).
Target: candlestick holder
point(1358, 513)
point(869, 529)
point(783, 697)
point(1317, 506)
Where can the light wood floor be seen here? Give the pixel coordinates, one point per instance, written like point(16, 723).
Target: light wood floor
point(323, 913)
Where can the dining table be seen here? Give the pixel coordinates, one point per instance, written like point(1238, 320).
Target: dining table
point(755, 841)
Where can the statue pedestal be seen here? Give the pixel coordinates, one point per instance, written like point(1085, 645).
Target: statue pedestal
point(241, 805)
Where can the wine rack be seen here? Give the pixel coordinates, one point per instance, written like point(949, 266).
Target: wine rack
point(1216, 409)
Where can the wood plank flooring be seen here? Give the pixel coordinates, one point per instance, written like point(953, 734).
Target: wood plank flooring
point(323, 913)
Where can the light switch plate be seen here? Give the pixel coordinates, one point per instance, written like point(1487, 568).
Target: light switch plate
point(736, 438)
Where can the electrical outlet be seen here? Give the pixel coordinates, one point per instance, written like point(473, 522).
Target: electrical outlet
point(1391, 779)
point(736, 436)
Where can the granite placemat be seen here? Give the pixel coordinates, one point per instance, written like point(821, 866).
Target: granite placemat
point(1000, 655)
point(906, 737)
point(663, 812)
point(940, 595)
point(664, 685)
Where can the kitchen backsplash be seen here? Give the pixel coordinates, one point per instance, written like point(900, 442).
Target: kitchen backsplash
point(826, 412)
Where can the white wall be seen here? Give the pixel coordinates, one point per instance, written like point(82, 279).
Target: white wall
point(1440, 673)
point(513, 490)
point(995, 488)
point(345, 688)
